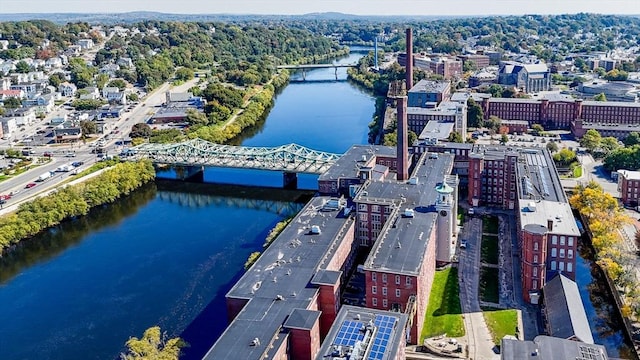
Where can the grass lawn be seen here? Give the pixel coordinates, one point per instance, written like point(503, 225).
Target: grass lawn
point(444, 313)
point(500, 323)
point(490, 224)
point(489, 249)
point(577, 171)
point(489, 285)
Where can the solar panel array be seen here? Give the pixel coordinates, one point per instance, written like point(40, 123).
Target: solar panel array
point(385, 325)
point(350, 333)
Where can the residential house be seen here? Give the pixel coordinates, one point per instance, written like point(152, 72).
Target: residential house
point(67, 89)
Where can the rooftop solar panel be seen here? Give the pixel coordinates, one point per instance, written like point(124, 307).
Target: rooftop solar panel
point(384, 327)
point(350, 333)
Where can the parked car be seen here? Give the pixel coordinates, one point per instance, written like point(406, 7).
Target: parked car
point(30, 185)
point(47, 154)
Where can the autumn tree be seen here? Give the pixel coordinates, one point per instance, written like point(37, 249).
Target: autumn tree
point(153, 345)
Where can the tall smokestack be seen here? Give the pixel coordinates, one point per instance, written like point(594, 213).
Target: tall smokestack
point(402, 146)
point(409, 66)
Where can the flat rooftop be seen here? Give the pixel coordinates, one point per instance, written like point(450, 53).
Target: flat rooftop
point(430, 86)
point(436, 130)
point(630, 175)
point(364, 334)
point(356, 157)
point(278, 282)
point(551, 348)
point(402, 242)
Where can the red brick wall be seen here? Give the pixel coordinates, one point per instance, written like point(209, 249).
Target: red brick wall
point(329, 304)
point(531, 281)
point(234, 306)
point(304, 344)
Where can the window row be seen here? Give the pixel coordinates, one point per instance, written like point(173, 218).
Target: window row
point(407, 281)
point(374, 291)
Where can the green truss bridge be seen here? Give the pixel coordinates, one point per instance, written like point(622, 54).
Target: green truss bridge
point(291, 158)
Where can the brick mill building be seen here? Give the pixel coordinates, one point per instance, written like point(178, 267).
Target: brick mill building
point(629, 187)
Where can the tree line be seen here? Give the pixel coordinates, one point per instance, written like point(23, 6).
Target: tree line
point(70, 201)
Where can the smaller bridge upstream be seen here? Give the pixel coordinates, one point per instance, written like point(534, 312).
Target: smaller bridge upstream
point(289, 159)
point(305, 67)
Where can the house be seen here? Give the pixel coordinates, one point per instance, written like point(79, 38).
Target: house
point(5, 94)
point(90, 93)
point(528, 77)
point(85, 44)
point(110, 69)
point(9, 127)
point(23, 116)
point(125, 62)
point(43, 104)
point(67, 89)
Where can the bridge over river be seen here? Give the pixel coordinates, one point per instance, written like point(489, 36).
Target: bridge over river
point(195, 154)
point(305, 67)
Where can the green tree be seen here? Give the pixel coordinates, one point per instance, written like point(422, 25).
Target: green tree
point(475, 115)
point(56, 79)
point(101, 80)
point(537, 130)
point(119, 83)
point(504, 139)
point(195, 117)
point(455, 137)
point(609, 144)
point(88, 127)
point(12, 103)
point(600, 97)
point(493, 123)
point(591, 140)
point(552, 146)
point(184, 74)
point(632, 139)
point(565, 157)
point(140, 130)
point(153, 346)
point(132, 97)
point(22, 67)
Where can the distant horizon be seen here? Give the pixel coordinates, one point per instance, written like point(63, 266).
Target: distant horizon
point(401, 8)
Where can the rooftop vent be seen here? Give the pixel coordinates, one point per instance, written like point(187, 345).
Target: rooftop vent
point(315, 230)
point(279, 297)
point(409, 213)
point(255, 342)
point(531, 206)
point(413, 181)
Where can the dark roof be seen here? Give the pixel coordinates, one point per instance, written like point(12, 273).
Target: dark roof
point(302, 319)
point(326, 277)
point(550, 348)
point(403, 240)
point(277, 284)
point(355, 158)
point(565, 314)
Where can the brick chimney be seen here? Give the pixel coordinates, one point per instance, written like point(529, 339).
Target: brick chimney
point(409, 67)
point(402, 146)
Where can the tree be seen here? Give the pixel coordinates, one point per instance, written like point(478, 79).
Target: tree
point(195, 117)
point(591, 140)
point(504, 139)
point(632, 139)
point(132, 97)
point(455, 137)
point(600, 97)
point(12, 103)
point(101, 80)
point(552, 146)
point(493, 123)
point(609, 144)
point(565, 157)
point(475, 115)
point(56, 79)
point(140, 130)
point(88, 127)
point(537, 129)
point(184, 74)
point(22, 67)
point(119, 83)
point(153, 345)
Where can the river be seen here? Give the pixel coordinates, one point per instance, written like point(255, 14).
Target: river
point(167, 254)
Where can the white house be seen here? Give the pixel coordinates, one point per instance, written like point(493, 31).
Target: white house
point(67, 89)
point(23, 116)
point(85, 44)
point(9, 127)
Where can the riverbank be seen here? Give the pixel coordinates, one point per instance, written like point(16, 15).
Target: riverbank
point(44, 212)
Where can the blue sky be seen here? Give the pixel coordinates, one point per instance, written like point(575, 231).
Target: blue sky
point(361, 7)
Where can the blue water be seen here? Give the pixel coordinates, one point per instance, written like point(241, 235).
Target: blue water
point(163, 257)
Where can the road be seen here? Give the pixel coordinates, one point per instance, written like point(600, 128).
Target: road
point(478, 336)
point(140, 113)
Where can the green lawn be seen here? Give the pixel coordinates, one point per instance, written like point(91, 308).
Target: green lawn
point(489, 249)
point(444, 314)
point(501, 323)
point(577, 171)
point(489, 285)
point(490, 224)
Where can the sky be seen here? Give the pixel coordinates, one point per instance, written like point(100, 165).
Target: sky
point(359, 7)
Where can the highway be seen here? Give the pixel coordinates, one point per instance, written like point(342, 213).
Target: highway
point(140, 113)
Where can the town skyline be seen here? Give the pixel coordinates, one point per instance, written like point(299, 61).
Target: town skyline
point(355, 7)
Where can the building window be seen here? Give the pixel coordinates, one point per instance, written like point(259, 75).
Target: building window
point(535, 246)
point(569, 267)
point(375, 208)
point(535, 259)
point(397, 292)
point(408, 281)
point(397, 279)
point(384, 278)
point(374, 289)
point(534, 285)
point(384, 303)
point(373, 276)
point(562, 240)
point(570, 240)
point(554, 240)
point(562, 253)
point(535, 272)
point(553, 265)
point(561, 266)
point(384, 291)
point(374, 302)
point(570, 254)
point(554, 252)
point(362, 207)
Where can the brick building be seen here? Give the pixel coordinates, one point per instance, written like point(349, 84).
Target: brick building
point(629, 187)
point(429, 93)
point(480, 61)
